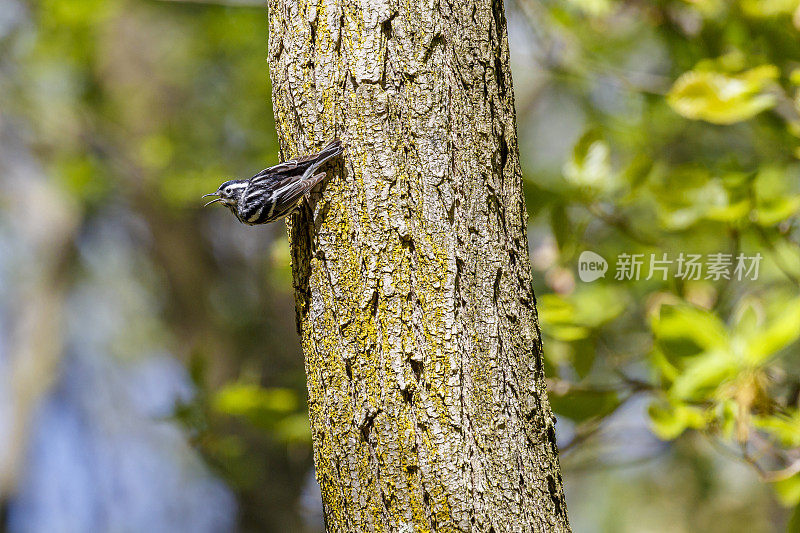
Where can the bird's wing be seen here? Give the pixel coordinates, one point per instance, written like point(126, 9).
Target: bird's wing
point(299, 167)
point(277, 171)
point(290, 192)
point(261, 205)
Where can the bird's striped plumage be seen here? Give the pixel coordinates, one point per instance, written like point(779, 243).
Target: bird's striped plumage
point(276, 191)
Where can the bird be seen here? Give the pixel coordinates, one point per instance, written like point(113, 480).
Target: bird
point(277, 191)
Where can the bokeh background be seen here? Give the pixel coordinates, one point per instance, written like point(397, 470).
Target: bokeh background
point(150, 373)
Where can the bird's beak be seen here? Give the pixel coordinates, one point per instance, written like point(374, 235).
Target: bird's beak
point(212, 201)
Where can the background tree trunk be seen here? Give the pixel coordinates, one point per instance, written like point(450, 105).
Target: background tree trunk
point(412, 276)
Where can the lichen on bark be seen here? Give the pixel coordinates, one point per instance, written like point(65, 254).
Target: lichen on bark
point(411, 270)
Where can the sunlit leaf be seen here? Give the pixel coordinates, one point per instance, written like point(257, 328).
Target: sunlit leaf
point(785, 429)
point(595, 8)
point(689, 195)
point(294, 428)
point(669, 420)
point(590, 165)
point(729, 213)
point(557, 353)
point(722, 98)
point(261, 406)
point(788, 490)
point(571, 318)
point(769, 213)
point(554, 308)
point(779, 333)
point(595, 305)
point(768, 8)
point(726, 415)
point(748, 316)
point(771, 183)
point(663, 365)
point(699, 325)
point(774, 199)
point(568, 333)
point(704, 374)
point(708, 8)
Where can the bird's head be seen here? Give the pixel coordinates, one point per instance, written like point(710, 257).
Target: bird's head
point(228, 194)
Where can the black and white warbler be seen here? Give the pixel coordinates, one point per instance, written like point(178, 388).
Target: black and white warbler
point(276, 191)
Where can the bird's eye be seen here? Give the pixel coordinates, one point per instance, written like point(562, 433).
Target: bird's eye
point(228, 190)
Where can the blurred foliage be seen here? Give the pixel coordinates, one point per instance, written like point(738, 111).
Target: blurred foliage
point(646, 128)
point(686, 141)
point(134, 109)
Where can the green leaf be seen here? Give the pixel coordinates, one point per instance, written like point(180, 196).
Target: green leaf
point(590, 165)
point(637, 172)
point(690, 194)
point(559, 222)
point(262, 407)
point(767, 8)
point(294, 428)
point(669, 420)
point(785, 429)
point(709, 8)
point(729, 213)
point(771, 183)
point(722, 98)
point(771, 212)
point(788, 490)
point(595, 305)
point(581, 405)
point(583, 356)
point(748, 316)
point(774, 200)
point(778, 334)
point(663, 365)
point(726, 415)
point(684, 322)
point(554, 309)
point(568, 333)
point(574, 317)
point(704, 374)
point(556, 353)
point(594, 8)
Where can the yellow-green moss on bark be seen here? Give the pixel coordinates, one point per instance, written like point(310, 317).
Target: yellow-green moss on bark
point(411, 268)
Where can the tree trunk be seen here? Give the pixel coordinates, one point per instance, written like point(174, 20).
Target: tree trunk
point(411, 269)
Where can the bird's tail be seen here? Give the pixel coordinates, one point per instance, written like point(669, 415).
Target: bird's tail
point(332, 149)
point(313, 161)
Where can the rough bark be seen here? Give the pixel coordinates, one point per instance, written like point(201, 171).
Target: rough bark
point(411, 269)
